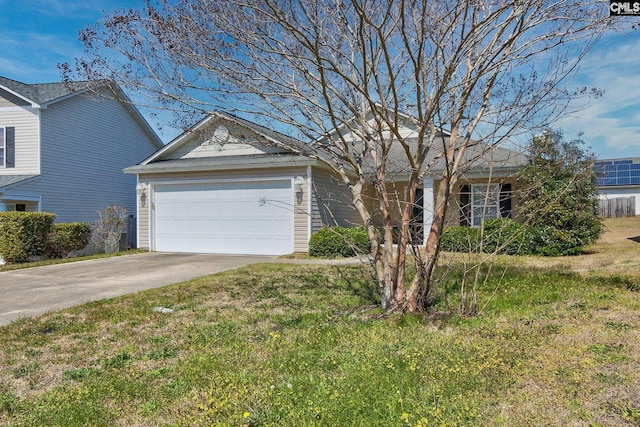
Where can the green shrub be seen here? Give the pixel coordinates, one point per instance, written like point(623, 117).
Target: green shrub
point(550, 241)
point(339, 241)
point(460, 239)
point(504, 236)
point(23, 234)
point(65, 238)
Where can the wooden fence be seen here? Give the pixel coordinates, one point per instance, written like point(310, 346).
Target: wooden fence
point(618, 208)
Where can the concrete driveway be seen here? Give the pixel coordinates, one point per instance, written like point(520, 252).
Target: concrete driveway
point(33, 291)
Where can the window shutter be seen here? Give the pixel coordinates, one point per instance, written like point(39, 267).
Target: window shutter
point(505, 200)
point(465, 205)
point(10, 147)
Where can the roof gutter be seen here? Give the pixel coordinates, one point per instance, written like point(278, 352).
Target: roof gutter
point(160, 167)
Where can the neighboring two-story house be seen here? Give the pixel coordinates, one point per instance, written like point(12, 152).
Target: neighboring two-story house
point(63, 148)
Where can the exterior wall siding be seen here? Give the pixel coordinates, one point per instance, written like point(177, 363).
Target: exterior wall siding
point(86, 141)
point(331, 202)
point(396, 193)
point(301, 243)
point(144, 217)
point(25, 120)
point(203, 144)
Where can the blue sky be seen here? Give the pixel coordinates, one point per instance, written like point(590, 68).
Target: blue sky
point(38, 34)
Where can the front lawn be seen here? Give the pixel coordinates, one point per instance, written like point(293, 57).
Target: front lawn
point(295, 345)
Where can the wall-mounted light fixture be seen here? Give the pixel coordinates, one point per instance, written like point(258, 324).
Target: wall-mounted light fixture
point(298, 182)
point(141, 191)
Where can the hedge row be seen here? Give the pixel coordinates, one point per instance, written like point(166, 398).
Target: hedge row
point(505, 236)
point(24, 235)
point(501, 235)
point(67, 237)
point(339, 241)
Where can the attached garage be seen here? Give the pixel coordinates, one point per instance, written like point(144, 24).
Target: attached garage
point(230, 186)
point(230, 217)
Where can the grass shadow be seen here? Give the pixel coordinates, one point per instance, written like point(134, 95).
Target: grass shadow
point(359, 281)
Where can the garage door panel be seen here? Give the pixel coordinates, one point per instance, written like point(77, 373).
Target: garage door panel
point(237, 217)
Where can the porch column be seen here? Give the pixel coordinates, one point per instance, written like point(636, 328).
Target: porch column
point(429, 206)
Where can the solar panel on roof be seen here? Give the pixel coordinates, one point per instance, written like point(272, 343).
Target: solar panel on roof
point(617, 172)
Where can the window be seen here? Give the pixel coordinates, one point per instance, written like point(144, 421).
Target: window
point(2, 148)
point(485, 203)
point(492, 199)
point(17, 207)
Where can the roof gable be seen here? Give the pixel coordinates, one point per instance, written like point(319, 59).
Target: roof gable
point(41, 94)
point(406, 125)
point(224, 135)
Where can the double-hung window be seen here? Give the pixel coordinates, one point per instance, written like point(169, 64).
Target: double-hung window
point(485, 203)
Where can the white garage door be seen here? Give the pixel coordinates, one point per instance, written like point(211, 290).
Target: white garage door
point(254, 217)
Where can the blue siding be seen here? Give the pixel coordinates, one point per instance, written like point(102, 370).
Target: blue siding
point(86, 141)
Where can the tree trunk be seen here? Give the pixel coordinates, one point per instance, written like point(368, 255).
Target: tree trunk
point(423, 280)
point(388, 291)
point(404, 241)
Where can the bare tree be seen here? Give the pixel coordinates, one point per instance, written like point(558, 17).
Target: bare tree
point(348, 76)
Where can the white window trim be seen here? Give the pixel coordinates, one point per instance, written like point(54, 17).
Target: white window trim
point(486, 204)
point(3, 146)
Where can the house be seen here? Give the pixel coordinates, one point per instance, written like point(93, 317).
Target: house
point(619, 178)
point(229, 185)
point(63, 148)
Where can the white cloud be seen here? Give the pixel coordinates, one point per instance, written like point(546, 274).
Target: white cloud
point(86, 9)
point(32, 57)
point(611, 124)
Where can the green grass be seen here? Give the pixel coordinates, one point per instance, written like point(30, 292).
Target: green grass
point(278, 345)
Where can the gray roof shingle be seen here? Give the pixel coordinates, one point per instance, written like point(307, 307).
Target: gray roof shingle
point(280, 138)
point(7, 180)
point(42, 93)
